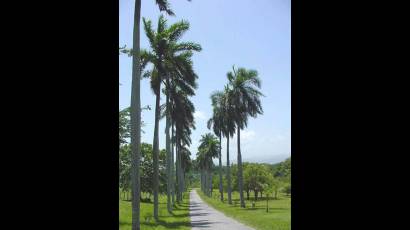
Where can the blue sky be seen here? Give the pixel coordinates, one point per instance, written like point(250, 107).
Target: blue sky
point(245, 33)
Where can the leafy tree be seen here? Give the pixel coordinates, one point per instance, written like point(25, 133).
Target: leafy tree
point(125, 168)
point(269, 190)
point(287, 189)
point(124, 126)
point(147, 169)
point(277, 184)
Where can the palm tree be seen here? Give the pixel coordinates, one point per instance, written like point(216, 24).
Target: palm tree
point(228, 129)
point(223, 124)
point(170, 59)
point(245, 99)
point(184, 121)
point(135, 111)
point(185, 163)
point(216, 123)
point(200, 159)
point(209, 148)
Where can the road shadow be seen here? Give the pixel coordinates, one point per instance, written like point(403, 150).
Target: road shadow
point(173, 225)
point(200, 224)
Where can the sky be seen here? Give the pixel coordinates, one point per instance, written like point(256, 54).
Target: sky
point(245, 33)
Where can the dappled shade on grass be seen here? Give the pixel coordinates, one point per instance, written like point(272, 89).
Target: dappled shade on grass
point(178, 219)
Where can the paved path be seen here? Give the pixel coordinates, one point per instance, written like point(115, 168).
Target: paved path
point(205, 217)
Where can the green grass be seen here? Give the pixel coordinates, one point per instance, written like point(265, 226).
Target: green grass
point(179, 219)
point(278, 217)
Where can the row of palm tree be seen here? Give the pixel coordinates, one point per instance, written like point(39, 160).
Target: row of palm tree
point(232, 107)
point(166, 54)
point(208, 149)
point(173, 68)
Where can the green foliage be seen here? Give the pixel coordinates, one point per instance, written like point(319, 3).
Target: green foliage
point(146, 168)
point(255, 176)
point(125, 168)
point(124, 125)
point(287, 189)
point(260, 177)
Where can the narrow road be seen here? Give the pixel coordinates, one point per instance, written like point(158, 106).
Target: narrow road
point(204, 216)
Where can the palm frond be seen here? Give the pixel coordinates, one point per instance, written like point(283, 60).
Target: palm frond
point(163, 5)
point(177, 30)
point(149, 32)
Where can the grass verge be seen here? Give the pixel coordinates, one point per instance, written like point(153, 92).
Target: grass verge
point(178, 219)
point(278, 217)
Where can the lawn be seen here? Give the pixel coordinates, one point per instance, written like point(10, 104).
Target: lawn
point(278, 217)
point(179, 219)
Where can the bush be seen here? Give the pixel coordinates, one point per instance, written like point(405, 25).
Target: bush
point(287, 189)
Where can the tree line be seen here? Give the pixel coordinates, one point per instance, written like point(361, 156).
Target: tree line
point(259, 179)
point(171, 75)
point(239, 100)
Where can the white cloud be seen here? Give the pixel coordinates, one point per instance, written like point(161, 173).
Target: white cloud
point(199, 115)
point(247, 135)
point(256, 147)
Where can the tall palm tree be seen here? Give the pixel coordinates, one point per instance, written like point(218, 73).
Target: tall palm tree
point(170, 59)
point(245, 99)
point(200, 159)
point(228, 130)
point(209, 147)
point(180, 111)
point(184, 122)
point(223, 124)
point(135, 111)
point(185, 163)
point(216, 123)
point(179, 85)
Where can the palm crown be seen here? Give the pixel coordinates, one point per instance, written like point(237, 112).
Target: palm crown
point(244, 95)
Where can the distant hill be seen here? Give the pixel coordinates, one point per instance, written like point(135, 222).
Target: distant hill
point(283, 165)
point(268, 159)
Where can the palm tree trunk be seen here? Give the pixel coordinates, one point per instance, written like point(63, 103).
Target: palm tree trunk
point(176, 166)
point(183, 176)
point(184, 179)
point(210, 182)
point(156, 152)
point(228, 173)
point(240, 178)
point(267, 203)
point(172, 169)
point(206, 179)
point(180, 171)
point(202, 180)
point(135, 114)
point(220, 168)
point(168, 149)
